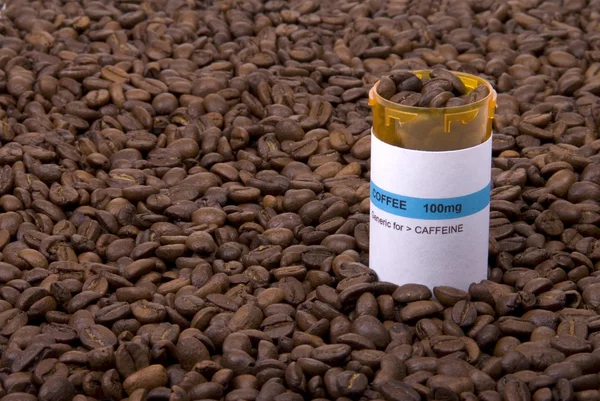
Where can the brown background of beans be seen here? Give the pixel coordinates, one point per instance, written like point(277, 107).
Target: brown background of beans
point(184, 195)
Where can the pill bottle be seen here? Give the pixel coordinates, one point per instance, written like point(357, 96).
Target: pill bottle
point(430, 189)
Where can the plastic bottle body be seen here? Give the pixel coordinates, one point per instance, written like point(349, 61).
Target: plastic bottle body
point(430, 191)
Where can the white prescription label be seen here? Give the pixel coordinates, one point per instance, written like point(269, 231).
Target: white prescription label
point(430, 215)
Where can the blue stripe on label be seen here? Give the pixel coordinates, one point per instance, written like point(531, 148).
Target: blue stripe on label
point(430, 209)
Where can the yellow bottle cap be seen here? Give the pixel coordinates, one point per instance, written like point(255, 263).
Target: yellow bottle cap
point(434, 129)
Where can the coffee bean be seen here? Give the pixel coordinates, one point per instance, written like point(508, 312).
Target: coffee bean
point(59, 389)
point(411, 292)
point(420, 309)
point(331, 354)
point(386, 88)
point(516, 390)
point(394, 390)
point(95, 336)
point(436, 92)
point(185, 202)
point(371, 328)
point(351, 383)
point(457, 84)
point(449, 296)
point(278, 325)
point(131, 357)
point(464, 313)
point(147, 378)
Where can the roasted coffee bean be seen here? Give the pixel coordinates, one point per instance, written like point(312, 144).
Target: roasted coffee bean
point(464, 313)
point(436, 92)
point(331, 354)
point(147, 378)
point(420, 309)
point(351, 383)
point(386, 87)
point(95, 336)
point(184, 197)
point(57, 389)
point(394, 390)
point(516, 390)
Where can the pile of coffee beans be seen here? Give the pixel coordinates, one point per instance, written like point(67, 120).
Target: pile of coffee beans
point(442, 89)
point(184, 195)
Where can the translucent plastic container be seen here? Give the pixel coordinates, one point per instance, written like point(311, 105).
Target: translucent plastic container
point(430, 190)
point(434, 129)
